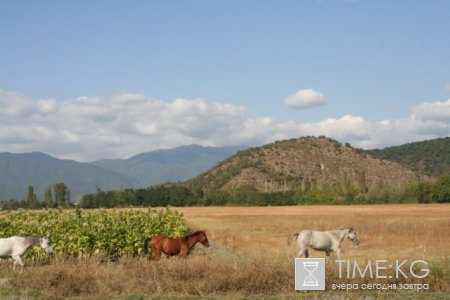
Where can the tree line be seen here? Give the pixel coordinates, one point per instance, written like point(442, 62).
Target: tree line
point(55, 196)
point(182, 195)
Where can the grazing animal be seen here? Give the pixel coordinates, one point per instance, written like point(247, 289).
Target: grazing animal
point(174, 246)
point(327, 241)
point(16, 246)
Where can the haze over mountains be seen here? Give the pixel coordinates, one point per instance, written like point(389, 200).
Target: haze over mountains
point(168, 165)
point(18, 171)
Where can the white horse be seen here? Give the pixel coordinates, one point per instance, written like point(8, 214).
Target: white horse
point(16, 246)
point(323, 240)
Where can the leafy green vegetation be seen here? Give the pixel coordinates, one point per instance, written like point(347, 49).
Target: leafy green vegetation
point(441, 189)
point(83, 233)
point(181, 195)
point(192, 195)
point(428, 157)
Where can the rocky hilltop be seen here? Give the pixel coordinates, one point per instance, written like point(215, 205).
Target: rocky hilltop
point(308, 162)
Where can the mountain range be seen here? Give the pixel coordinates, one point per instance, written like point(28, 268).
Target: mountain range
point(169, 165)
point(278, 166)
point(18, 171)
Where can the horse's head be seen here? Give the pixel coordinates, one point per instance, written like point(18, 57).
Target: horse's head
point(46, 244)
point(203, 239)
point(351, 235)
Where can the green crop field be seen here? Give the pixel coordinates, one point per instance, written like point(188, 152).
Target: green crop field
point(83, 233)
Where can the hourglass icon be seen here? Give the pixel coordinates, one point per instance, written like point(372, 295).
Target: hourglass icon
point(310, 267)
point(309, 274)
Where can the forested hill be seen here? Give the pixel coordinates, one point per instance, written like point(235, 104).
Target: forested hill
point(430, 157)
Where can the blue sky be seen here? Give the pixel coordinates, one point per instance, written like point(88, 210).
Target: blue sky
point(372, 73)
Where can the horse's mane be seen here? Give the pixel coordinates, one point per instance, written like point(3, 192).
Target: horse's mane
point(195, 233)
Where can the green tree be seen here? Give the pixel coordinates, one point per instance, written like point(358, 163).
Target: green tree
point(441, 189)
point(32, 200)
point(424, 192)
point(61, 194)
point(49, 203)
point(88, 201)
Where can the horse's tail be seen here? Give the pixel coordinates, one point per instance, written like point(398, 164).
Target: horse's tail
point(292, 237)
point(145, 248)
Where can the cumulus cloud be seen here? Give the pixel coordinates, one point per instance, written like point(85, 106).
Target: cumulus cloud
point(304, 99)
point(438, 111)
point(90, 128)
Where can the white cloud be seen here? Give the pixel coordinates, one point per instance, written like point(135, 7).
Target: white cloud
point(89, 128)
point(15, 105)
point(47, 106)
point(438, 111)
point(304, 99)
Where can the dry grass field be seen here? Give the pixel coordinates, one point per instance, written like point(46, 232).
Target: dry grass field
point(387, 231)
point(249, 256)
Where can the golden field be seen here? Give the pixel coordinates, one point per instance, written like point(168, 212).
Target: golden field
point(385, 231)
point(249, 256)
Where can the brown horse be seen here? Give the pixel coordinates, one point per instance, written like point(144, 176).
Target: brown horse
point(174, 246)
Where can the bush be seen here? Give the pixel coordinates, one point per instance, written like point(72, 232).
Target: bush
point(441, 190)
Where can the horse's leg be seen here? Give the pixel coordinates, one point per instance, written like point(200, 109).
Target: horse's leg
point(327, 258)
point(303, 251)
point(156, 253)
point(17, 260)
point(303, 248)
point(338, 253)
point(184, 251)
point(156, 256)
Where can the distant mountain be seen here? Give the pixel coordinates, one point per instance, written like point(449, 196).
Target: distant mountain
point(169, 165)
point(305, 163)
point(18, 171)
point(280, 166)
point(430, 157)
